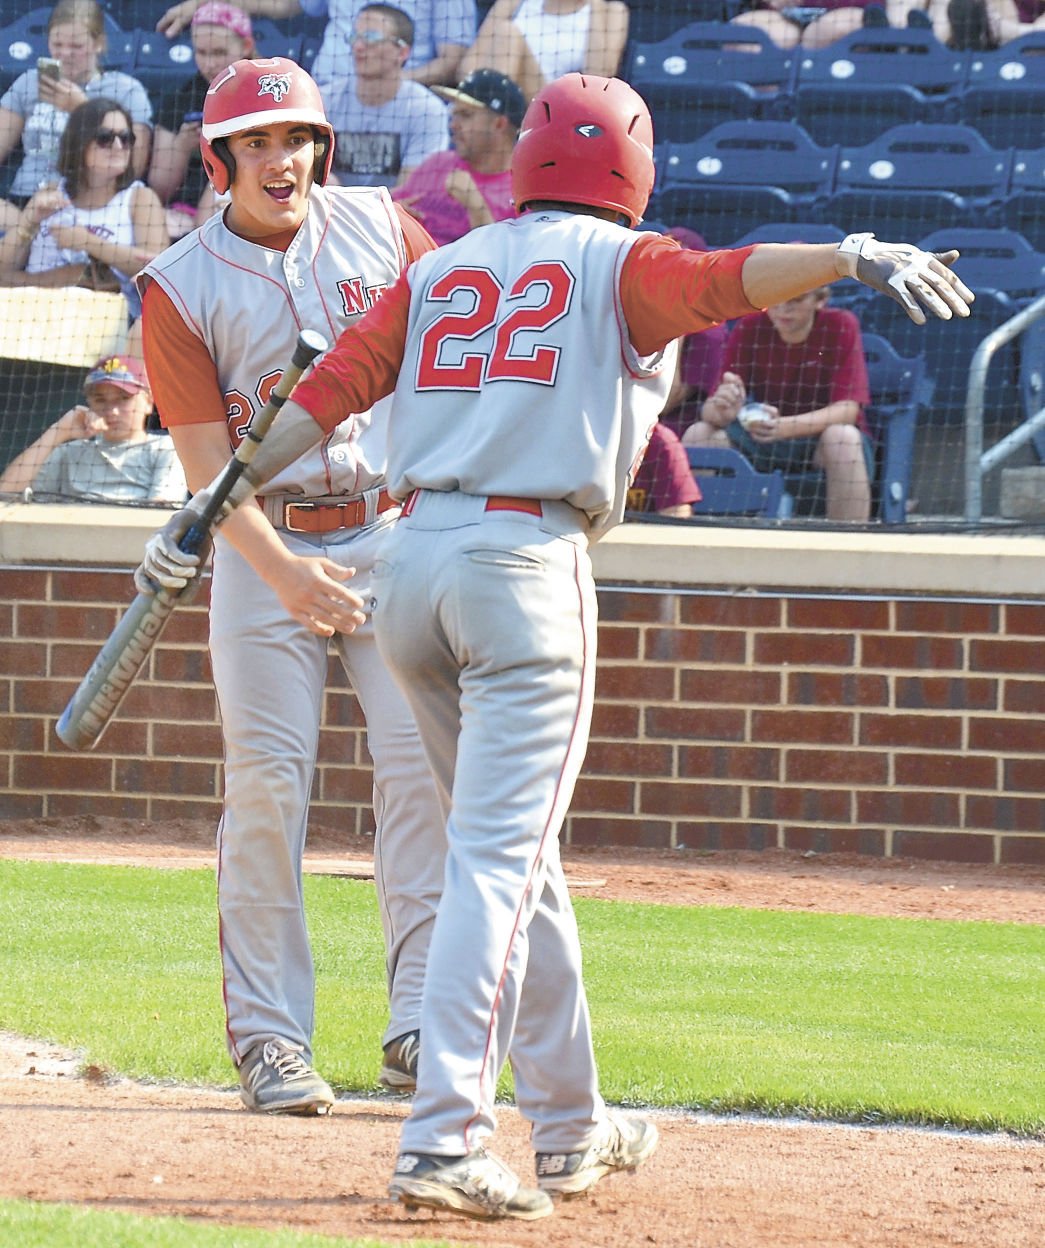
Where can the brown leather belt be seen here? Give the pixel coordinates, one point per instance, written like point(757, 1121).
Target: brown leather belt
point(323, 515)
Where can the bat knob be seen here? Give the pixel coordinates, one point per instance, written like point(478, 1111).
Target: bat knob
point(310, 344)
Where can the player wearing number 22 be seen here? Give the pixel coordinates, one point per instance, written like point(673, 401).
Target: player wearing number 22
point(528, 362)
point(221, 313)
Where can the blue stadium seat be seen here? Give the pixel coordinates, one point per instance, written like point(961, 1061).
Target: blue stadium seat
point(273, 39)
point(729, 486)
point(1024, 208)
point(708, 73)
point(741, 174)
point(1004, 93)
point(876, 78)
point(997, 259)
point(919, 177)
point(160, 64)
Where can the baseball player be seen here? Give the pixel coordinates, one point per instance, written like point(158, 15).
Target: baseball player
point(528, 363)
point(222, 310)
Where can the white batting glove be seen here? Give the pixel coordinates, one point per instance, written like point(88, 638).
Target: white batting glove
point(165, 565)
point(916, 279)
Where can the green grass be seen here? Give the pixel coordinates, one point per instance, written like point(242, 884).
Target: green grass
point(32, 1225)
point(848, 1018)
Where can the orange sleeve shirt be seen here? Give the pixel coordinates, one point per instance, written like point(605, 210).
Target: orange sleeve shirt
point(183, 375)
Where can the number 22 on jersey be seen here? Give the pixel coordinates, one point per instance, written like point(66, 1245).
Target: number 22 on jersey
point(538, 298)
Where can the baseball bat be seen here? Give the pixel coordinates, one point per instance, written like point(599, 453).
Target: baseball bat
point(120, 659)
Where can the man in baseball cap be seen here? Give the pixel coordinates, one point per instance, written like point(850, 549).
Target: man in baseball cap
point(452, 192)
point(101, 450)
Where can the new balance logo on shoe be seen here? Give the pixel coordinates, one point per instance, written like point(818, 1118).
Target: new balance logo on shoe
point(624, 1144)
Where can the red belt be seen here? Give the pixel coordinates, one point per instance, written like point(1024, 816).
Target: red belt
point(311, 516)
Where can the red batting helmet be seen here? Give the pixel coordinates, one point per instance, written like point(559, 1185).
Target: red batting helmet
point(585, 140)
point(247, 94)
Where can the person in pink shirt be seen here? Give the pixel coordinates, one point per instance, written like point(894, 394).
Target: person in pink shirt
point(453, 192)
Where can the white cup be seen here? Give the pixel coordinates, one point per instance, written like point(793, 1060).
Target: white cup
point(754, 414)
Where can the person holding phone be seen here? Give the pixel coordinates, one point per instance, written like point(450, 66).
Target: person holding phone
point(36, 107)
point(221, 33)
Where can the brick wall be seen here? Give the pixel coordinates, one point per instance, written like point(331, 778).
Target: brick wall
point(871, 723)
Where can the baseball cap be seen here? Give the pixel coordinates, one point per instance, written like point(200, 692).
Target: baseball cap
point(125, 372)
point(490, 89)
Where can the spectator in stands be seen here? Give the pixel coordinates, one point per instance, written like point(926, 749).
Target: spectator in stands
point(443, 31)
point(221, 34)
point(99, 225)
point(384, 124)
point(534, 41)
point(982, 25)
point(452, 192)
point(700, 357)
point(805, 362)
point(36, 108)
point(664, 482)
point(817, 26)
point(101, 451)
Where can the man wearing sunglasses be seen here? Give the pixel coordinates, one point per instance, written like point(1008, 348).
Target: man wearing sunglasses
point(385, 124)
point(222, 311)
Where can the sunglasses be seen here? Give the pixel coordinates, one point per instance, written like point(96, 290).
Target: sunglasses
point(106, 138)
point(374, 37)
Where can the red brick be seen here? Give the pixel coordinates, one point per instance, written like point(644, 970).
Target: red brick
point(182, 666)
point(906, 807)
point(345, 784)
point(615, 720)
point(112, 805)
point(729, 762)
point(128, 737)
point(178, 741)
point(23, 657)
point(56, 773)
point(89, 585)
point(628, 607)
point(629, 758)
point(7, 617)
point(942, 693)
point(793, 726)
point(946, 771)
point(342, 710)
point(812, 805)
point(724, 835)
point(1004, 655)
point(21, 734)
point(693, 645)
point(917, 731)
point(741, 611)
point(694, 723)
point(852, 614)
point(835, 840)
point(50, 623)
point(24, 584)
point(1005, 814)
point(1024, 697)
point(187, 704)
point(1023, 850)
point(639, 833)
point(41, 697)
point(743, 686)
point(1024, 775)
point(944, 846)
point(184, 808)
point(188, 625)
point(941, 615)
point(635, 683)
point(852, 767)
point(1008, 735)
point(690, 800)
point(835, 689)
point(20, 806)
point(804, 649)
point(71, 661)
point(1024, 618)
point(924, 654)
point(341, 747)
point(164, 775)
point(619, 643)
point(597, 793)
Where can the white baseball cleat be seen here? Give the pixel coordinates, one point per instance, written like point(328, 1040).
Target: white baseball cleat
point(477, 1185)
point(624, 1144)
point(275, 1079)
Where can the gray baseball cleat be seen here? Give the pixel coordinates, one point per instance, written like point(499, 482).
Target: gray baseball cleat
point(625, 1144)
point(477, 1185)
point(275, 1079)
point(399, 1071)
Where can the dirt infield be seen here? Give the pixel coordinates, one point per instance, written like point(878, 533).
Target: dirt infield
point(713, 1184)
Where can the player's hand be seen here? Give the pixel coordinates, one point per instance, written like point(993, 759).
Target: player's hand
point(918, 280)
point(166, 565)
point(311, 589)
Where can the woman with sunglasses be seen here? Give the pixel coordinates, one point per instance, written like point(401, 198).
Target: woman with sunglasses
point(36, 107)
point(97, 221)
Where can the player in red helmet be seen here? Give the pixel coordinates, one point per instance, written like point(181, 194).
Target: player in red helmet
point(221, 312)
point(527, 363)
